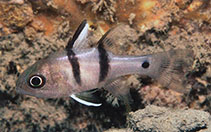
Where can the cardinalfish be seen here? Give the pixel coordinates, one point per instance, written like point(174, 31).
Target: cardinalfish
point(79, 70)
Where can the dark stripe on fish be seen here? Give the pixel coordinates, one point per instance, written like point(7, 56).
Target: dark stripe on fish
point(104, 63)
point(75, 66)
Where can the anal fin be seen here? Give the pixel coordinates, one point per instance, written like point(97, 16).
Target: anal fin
point(119, 89)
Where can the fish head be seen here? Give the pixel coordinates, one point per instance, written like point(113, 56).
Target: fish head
point(43, 79)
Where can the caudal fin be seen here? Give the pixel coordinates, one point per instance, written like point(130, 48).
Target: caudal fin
point(170, 68)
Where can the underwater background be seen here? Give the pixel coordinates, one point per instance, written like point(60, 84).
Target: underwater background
point(32, 29)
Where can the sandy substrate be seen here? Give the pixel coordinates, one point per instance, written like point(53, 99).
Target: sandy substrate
point(31, 30)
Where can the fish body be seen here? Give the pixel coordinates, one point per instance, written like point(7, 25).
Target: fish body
point(78, 69)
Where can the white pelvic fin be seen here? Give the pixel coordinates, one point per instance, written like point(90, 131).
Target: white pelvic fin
point(84, 101)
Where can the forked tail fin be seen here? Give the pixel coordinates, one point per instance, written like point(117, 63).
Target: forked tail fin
point(169, 68)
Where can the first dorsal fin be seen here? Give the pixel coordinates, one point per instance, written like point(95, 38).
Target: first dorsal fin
point(79, 39)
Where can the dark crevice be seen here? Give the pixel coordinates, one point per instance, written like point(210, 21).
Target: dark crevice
point(11, 68)
point(159, 34)
point(196, 129)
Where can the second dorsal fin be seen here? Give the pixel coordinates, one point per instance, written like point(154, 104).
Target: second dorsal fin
point(79, 39)
point(111, 40)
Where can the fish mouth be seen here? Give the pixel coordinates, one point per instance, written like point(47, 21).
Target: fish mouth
point(22, 92)
point(18, 90)
point(21, 82)
point(19, 85)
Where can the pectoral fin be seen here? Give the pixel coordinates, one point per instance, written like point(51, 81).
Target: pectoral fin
point(87, 98)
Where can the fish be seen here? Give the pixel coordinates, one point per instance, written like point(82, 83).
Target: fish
point(80, 70)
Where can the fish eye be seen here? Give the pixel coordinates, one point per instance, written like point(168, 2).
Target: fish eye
point(145, 64)
point(37, 81)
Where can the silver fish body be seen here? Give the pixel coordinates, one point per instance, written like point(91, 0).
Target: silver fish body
point(79, 68)
point(60, 81)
